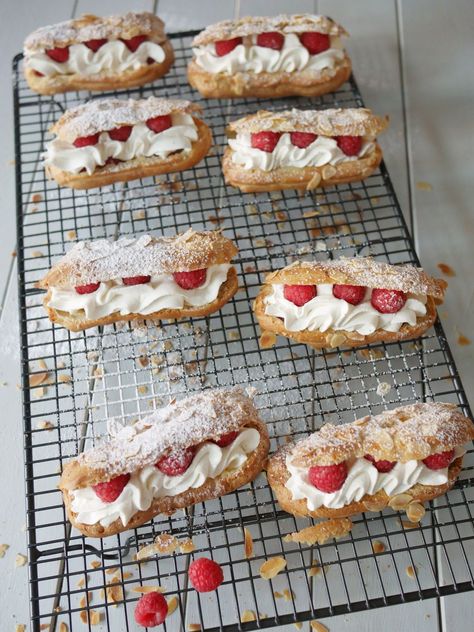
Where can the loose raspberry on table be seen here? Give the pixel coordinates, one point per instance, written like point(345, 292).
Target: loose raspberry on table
point(353, 294)
point(440, 460)
point(176, 462)
point(159, 123)
point(315, 42)
point(137, 280)
point(85, 141)
point(224, 47)
point(272, 39)
point(190, 280)
point(87, 289)
point(111, 490)
point(302, 139)
point(328, 478)
point(58, 54)
point(95, 44)
point(134, 42)
point(381, 466)
point(350, 145)
point(226, 439)
point(151, 610)
point(121, 133)
point(205, 574)
point(299, 294)
point(265, 141)
point(388, 301)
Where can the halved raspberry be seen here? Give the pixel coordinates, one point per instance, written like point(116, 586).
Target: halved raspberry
point(87, 289)
point(58, 54)
point(159, 123)
point(176, 462)
point(328, 478)
point(190, 280)
point(381, 466)
point(302, 139)
point(266, 141)
point(134, 42)
point(205, 574)
point(272, 39)
point(350, 145)
point(224, 47)
point(95, 44)
point(137, 280)
point(226, 439)
point(299, 294)
point(439, 461)
point(388, 301)
point(85, 141)
point(315, 42)
point(111, 490)
point(121, 133)
point(353, 294)
point(151, 610)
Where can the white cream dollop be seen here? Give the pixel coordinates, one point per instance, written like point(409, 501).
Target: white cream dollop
point(162, 292)
point(113, 57)
point(141, 142)
point(325, 311)
point(293, 57)
point(210, 461)
point(364, 478)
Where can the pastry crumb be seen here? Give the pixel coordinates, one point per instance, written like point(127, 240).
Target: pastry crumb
point(383, 389)
point(271, 567)
point(95, 564)
point(36, 197)
point(267, 340)
point(186, 545)
point(463, 340)
point(71, 235)
point(446, 269)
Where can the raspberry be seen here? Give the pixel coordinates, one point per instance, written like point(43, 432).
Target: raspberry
point(176, 463)
point(266, 141)
point(120, 133)
point(353, 294)
point(388, 301)
point(381, 466)
point(226, 439)
point(272, 39)
point(58, 54)
point(95, 44)
point(87, 289)
point(439, 461)
point(134, 42)
point(138, 280)
point(111, 490)
point(205, 575)
point(159, 123)
point(85, 141)
point(151, 610)
point(328, 478)
point(302, 139)
point(190, 280)
point(299, 294)
point(224, 47)
point(350, 145)
point(315, 42)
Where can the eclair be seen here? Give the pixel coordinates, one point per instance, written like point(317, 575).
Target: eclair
point(302, 149)
point(269, 57)
point(348, 302)
point(193, 450)
point(400, 458)
point(103, 281)
point(94, 53)
point(112, 140)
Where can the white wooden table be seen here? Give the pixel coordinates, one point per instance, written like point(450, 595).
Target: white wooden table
point(413, 61)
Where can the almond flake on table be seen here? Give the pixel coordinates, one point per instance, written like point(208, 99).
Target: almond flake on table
point(172, 605)
point(446, 270)
point(64, 378)
point(142, 590)
point(463, 340)
point(194, 627)
point(44, 424)
point(248, 543)
point(271, 567)
point(424, 186)
point(378, 547)
point(20, 627)
point(3, 549)
point(36, 197)
point(319, 627)
point(248, 615)
point(411, 571)
point(20, 560)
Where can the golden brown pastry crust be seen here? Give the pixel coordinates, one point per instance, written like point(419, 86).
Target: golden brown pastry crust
point(138, 167)
point(75, 323)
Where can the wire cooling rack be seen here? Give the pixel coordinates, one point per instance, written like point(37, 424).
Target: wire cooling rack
point(74, 382)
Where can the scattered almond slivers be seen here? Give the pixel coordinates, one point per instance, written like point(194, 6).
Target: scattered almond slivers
point(272, 566)
point(319, 627)
point(247, 615)
point(415, 511)
point(248, 543)
point(400, 501)
point(172, 605)
point(267, 340)
point(321, 532)
point(148, 589)
point(163, 543)
point(114, 590)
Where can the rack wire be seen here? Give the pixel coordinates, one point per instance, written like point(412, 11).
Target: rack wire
point(75, 382)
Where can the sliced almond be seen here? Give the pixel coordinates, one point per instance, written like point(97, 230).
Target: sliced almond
point(321, 532)
point(114, 591)
point(336, 340)
point(375, 504)
point(271, 567)
point(378, 547)
point(314, 570)
point(194, 627)
point(248, 543)
point(415, 512)
point(20, 627)
point(166, 543)
point(112, 570)
point(406, 524)
point(64, 378)
point(38, 378)
point(411, 571)
point(248, 615)
point(319, 627)
point(143, 590)
point(45, 425)
point(95, 617)
point(20, 560)
point(314, 182)
point(172, 605)
point(328, 172)
point(400, 501)
point(298, 625)
point(95, 564)
point(288, 595)
point(267, 340)
point(186, 546)
point(3, 549)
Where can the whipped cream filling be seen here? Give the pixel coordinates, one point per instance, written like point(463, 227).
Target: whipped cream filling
point(210, 461)
point(162, 292)
point(113, 57)
point(325, 311)
point(141, 142)
point(364, 478)
point(293, 57)
point(323, 151)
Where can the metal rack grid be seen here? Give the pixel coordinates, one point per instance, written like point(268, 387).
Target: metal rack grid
point(125, 371)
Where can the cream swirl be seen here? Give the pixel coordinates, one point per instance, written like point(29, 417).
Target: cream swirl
point(210, 461)
point(293, 57)
point(325, 311)
point(113, 57)
point(162, 292)
point(364, 478)
point(324, 150)
point(141, 142)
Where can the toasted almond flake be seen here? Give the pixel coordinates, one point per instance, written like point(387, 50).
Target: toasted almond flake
point(44, 424)
point(186, 546)
point(406, 524)
point(95, 564)
point(415, 512)
point(142, 389)
point(248, 543)
point(463, 340)
point(194, 627)
point(81, 583)
point(378, 547)
point(38, 378)
point(143, 361)
point(114, 591)
point(248, 615)
point(36, 197)
point(335, 340)
point(400, 501)
point(277, 594)
point(375, 504)
point(319, 627)
point(446, 270)
point(267, 340)
point(140, 214)
point(126, 576)
point(424, 186)
point(85, 600)
point(3, 549)
point(172, 605)
point(166, 542)
point(314, 182)
point(112, 570)
point(321, 532)
point(37, 253)
point(83, 616)
point(148, 589)
point(314, 213)
point(271, 567)
point(298, 625)
point(64, 378)
point(95, 617)
point(411, 571)
point(71, 235)
point(314, 570)
point(20, 560)
point(20, 627)
point(328, 172)
point(288, 595)
point(99, 372)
